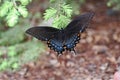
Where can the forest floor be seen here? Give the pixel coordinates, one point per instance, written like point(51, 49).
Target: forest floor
point(97, 58)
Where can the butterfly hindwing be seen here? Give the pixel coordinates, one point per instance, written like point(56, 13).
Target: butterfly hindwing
point(72, 41)
point(57, 42)
point(56, 45)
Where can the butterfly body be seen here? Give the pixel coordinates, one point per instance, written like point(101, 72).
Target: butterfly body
point(63, 39)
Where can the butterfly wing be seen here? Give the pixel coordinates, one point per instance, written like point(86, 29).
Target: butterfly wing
point(74, 29)
point(71, 42)
point(56, 43)
point(53, 37)
point(42, 33)
point(80, 23)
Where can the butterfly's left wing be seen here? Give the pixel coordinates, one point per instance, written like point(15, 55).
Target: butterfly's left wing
point(52, 35)
point(43, 33)
point(74, 29)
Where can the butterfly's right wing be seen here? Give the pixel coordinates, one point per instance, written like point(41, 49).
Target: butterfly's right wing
point(43, 33)
point(79, 24)
point(75, 27)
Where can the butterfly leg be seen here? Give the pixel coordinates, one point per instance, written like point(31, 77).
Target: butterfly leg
point(73, 51)
point(59, 54)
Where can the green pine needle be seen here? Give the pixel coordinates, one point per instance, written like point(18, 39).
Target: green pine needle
point(67, 9)
point(61, 22)
point(49, 13)
point(23, 11)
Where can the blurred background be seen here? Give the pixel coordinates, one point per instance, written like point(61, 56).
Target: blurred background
point(25, 58)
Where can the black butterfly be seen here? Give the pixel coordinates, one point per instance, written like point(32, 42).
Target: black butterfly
point(64, 39)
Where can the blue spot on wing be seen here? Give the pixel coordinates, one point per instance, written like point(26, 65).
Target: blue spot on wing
point(72, 41)
point(56, 45)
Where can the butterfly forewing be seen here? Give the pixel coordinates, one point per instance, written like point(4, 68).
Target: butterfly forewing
point(42, 33)
point(80, 23)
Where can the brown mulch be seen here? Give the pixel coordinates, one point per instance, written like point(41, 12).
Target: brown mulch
point(97, 58)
